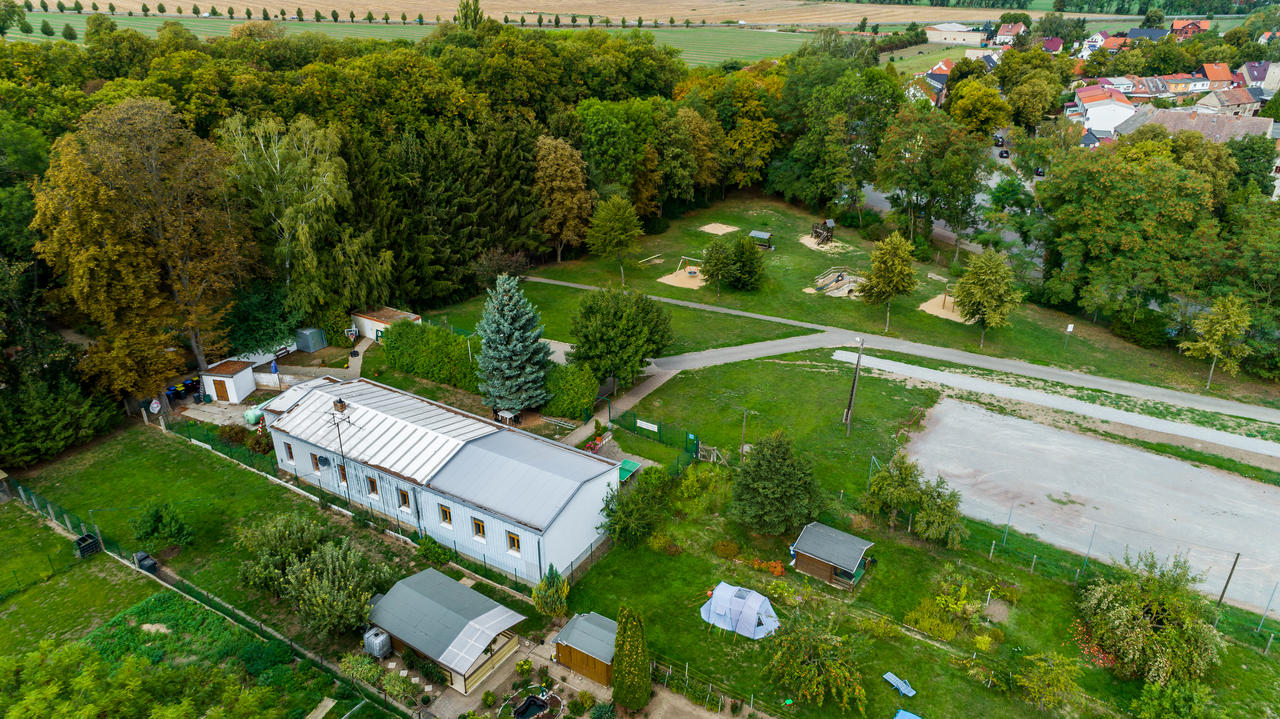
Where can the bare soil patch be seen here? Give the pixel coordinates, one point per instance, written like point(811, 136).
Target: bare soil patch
point(944, 307)
point(689, 278)
point(718, 228)
point(997, 611)
point(155, 629)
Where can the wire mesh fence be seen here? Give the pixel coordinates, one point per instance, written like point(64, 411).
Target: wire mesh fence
point(207, 434)
point(703, 690)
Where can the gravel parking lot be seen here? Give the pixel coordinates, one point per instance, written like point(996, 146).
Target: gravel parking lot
point(1062, 485)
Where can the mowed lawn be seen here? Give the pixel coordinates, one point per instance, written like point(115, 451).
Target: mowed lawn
point(81, 596)
point(919, 58)
point(692, 330)
point(699, 45)
point(1035, 334)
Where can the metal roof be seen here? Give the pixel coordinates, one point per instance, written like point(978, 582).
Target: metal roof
point(590, 634)
point(760, 234)
point(840, 549)
point(501, 470)
point(289, 397)
point(444, 620)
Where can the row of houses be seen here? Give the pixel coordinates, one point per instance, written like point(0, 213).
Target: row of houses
point(1103, 40)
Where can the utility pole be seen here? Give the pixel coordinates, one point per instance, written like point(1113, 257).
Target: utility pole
point(742, 445)
point(340, 416)
point(853, 392)
point(1228, 582)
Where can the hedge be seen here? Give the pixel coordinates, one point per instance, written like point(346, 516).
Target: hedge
point(432, 353)
point(573, 391)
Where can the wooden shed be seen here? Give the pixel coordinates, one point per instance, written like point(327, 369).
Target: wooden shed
point(585, 645)
point(828, 554)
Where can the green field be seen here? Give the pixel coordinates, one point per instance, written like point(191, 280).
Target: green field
point(919, 58)
point(698, 45)
point(62, 605)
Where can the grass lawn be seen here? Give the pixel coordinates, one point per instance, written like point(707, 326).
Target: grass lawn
point(69, 604)
point(919, 58)
point(1035, 334)
point(692, 330)
point(698, 45)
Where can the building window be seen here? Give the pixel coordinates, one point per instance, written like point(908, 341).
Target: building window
point(513, 543)
point(288, 451)
point(315, 463)
point(404, 499)
point(342, 473)
point(477, 528)
point(373, 487)
point(446, 516)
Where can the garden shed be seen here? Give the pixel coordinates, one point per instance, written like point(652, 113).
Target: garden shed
point(828, 554)
point(372, 323)
point(229, 381)
point(585, 645)
point(740, 610)
point(466, 633)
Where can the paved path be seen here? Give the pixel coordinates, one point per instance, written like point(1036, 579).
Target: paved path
point(1067, 404)
point(619, 405)
point(843, 337)
point(320, 711)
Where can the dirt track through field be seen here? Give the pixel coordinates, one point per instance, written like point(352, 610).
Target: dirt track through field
point(713, 11)
point(1090, 495)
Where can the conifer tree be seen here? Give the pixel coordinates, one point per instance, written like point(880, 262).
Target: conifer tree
point(774, 491)
point(631, 683)
point(747, 270)
point(890, 275)
point(513, 359)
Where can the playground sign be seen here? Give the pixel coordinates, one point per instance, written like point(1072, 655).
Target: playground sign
point(646, 425)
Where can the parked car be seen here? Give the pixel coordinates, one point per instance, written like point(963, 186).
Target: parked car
point(1039, 172)
point(1004, 154)
point(999, 141)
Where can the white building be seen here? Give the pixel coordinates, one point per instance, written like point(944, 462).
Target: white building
point(954, 33)
point(372, 323)
point(1092, 43)
point(1101, 109)
point(229, 380)
point(1007, 32)
point(502, 496)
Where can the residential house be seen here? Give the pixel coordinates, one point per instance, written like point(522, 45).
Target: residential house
point(920, 88)
point(1052, 45)
point(1215, 127)
point(1092, 43)
point(1183, 29)
point(943, 67)
point(1271, 83)
point(1007, 32)
point(1154, 34)
point(1124, 84)
point(373, 322)
point(1145, 88)
point(1232, 101)
point(1184, 83)
point(466, 633)
point(1100, 109)
point(1114, 44)
point(511, 499)
point(1218, 74)
point(1255, 73)
point(954, 33)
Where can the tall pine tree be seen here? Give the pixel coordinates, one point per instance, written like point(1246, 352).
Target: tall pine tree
point(513, 359)
point(631, 684)
point(774, 491)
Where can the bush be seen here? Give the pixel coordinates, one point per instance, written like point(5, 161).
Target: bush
point(588, 700)
point(433, 552)
point(726, 549)
point(929, 618)
point(233, 433)
point(1145, 328)
point(160, 526)
point(603, 711)
point(259, 442)
point(432, 353)
point(705, 487)
point(489, 699)
point(575, 708)
point(524, 668)
point(573, 390)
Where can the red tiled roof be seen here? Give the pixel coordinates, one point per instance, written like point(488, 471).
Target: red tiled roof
point(1115, 43)
point(944, 66)
point(1014, 29)
point(1100, 93)
point(1183, 24)
point(1235, 96)
point(1053, 44)
point(1217, 72)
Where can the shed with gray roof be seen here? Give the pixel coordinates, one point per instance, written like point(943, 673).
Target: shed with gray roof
point(585, 645)
point(830, 555)
point(460, 629)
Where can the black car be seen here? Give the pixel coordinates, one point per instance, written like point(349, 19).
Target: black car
point(1004, 154)
point(1039, 172)
point(999, 141)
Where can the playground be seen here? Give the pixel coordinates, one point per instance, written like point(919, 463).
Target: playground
point(944, 306)
point(688, 274)
point(836, 282)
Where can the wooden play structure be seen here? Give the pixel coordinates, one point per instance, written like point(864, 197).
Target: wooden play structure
point(823, 232)
point(837, 282)
point(763, 240)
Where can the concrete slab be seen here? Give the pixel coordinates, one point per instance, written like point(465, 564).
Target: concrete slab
point(321, 709)
point(1062, 486)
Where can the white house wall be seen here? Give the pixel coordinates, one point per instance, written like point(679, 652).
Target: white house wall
point(575, 529)
point(244, 384)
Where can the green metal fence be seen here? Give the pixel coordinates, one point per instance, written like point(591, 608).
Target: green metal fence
point(208, 434)
point(55, 563)
point(666, 433)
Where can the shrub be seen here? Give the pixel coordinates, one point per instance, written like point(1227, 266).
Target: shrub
point(632, 514)
point(524, 668)
point(258, 657)
point(259, 442)
point(880, 627)
point(489, 699)
point(573, 390)
point(704, 488)
point(574, 708)
point(233, 433)
point(432, 353)
point(433, 552)
point(361, 666)
point(588, 700)
point(551, 595)
point(726, 549)
point(160, 526)
point(603, 711)
point(929, 618)
point(1145, 328)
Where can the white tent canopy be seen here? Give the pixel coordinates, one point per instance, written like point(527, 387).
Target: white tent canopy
point(740, 610)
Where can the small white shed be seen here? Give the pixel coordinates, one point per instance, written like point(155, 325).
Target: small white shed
point(372, 323)
point(229, 380)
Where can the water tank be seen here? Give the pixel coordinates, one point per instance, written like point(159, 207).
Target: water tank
point(310, 339)
point(377, 642)
point(252, 416)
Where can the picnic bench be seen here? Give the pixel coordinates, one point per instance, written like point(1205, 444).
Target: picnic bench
point(900, 684)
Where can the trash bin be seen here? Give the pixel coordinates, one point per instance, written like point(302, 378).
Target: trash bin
point(190, 385)
point(143, 561)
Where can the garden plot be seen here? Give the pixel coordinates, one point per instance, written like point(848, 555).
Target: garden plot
point(1094, 497)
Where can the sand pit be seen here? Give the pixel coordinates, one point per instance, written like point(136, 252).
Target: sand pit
point(834, 247)
point(718, 228)
point(689, 278)
point(810, 291)
point(944, 307)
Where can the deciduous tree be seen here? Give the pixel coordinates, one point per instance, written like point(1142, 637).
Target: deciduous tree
point(616, 331)
point(1048, 680)
point(977, 105)
point(717, 263)
point(561, 182)
point(614, 231)
point(1220, 334)
point(332, 587)
point(891, 274)
point(987, 294)
point(816, 664)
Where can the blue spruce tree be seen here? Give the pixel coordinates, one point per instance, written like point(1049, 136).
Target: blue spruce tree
point(513, 359)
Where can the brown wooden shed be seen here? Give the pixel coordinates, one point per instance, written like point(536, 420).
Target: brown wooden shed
point(585, 645)
point(828, 554)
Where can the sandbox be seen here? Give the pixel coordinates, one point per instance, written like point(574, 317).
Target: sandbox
point(689, 278)
point(944, 306)
point(834, 247)
point(718, 228)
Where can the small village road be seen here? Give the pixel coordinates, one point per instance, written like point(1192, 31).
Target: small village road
point(836, 337)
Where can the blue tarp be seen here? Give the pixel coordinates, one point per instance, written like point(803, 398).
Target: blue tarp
point(904, 714)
